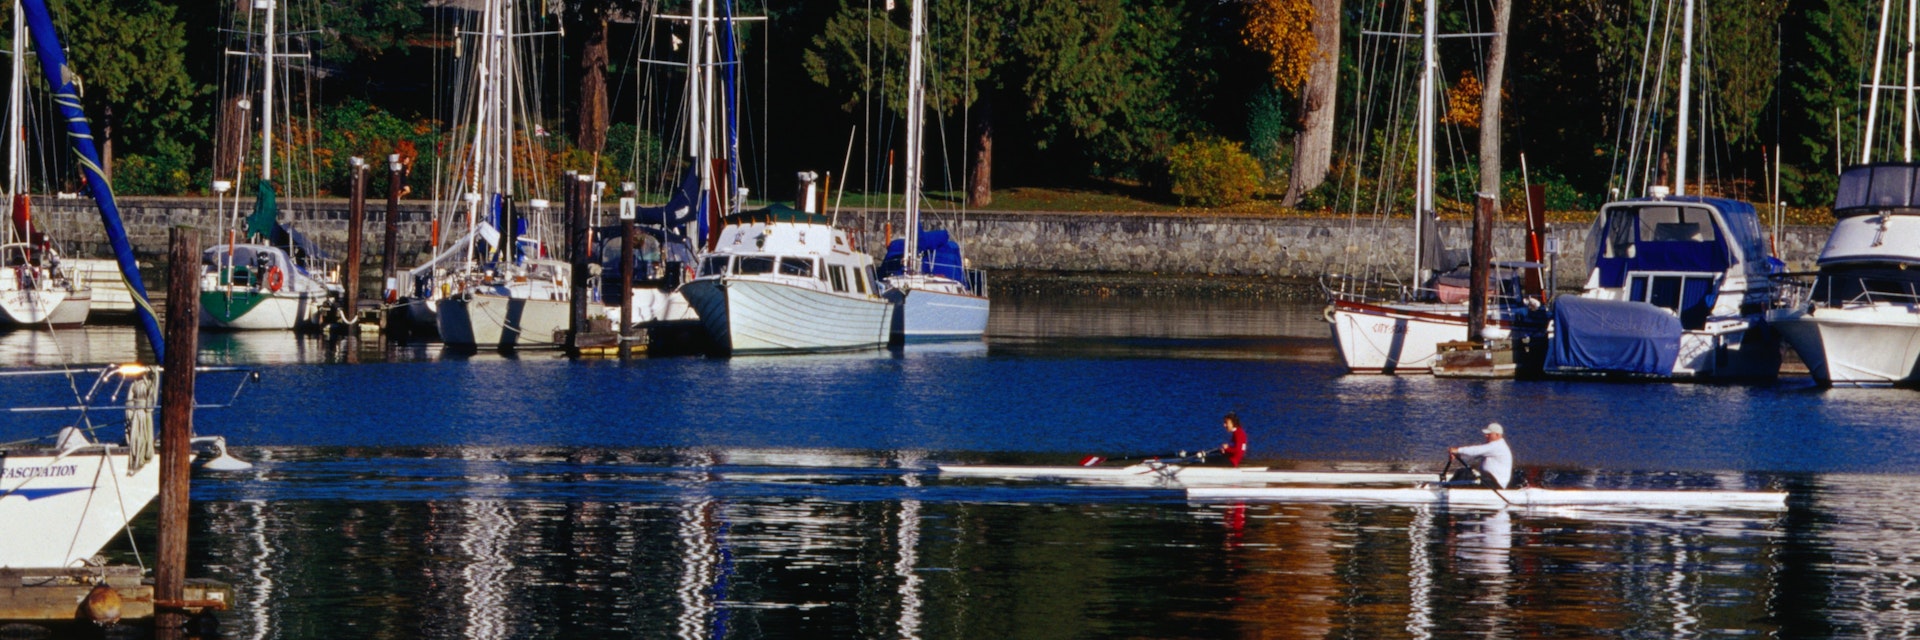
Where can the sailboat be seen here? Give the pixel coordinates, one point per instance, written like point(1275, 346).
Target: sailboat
point(935, 296)
point(1402, 333)
point(264, 275)
point(1678, 286)
point(1859, 321)
point(35, 289)
point(62, 501)
point(496, 287)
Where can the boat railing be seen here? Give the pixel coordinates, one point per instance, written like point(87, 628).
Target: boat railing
point(1795, 290)
point(1506, 289)
point(977, 282)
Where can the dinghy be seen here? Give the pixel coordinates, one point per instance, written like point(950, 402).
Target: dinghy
point(1478, 497)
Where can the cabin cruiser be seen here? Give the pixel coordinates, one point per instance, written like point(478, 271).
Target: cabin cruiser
point(779, 280)
point(1859, 322)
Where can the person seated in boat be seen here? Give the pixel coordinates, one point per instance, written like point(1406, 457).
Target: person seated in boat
point(1492, 461)
point(1235, 449)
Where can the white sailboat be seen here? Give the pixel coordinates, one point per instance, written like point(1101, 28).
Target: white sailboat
point(935, 296)
point(509, 295)
point(1859, 324)
point(264, 275)
point(1678, 286)
point(35, 289)
point(1403, 333)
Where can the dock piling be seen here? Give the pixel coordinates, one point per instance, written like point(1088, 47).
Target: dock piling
point(176, 429)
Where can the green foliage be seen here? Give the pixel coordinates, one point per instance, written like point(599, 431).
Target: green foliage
point(368, 29)
point(167, 168)
point(131, 56)
point(1212, 172)
point(863, 51)
point(1270, 129)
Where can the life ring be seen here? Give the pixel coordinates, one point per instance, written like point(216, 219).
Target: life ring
point(275, 278)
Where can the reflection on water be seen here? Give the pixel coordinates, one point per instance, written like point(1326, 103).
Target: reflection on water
point(505, 543)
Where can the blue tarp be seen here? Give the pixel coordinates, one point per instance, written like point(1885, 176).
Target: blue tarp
point(939, 255)
point(1612, 336)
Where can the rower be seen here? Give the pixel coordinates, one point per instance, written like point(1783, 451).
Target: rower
point(1491, 461)
point(1236, 446)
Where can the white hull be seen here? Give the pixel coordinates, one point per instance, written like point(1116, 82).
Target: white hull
point(73, 311)
point(652, 305)
point(743, 315)
point(495, 321)
point(1400, 338)
point(1865, 345)
point(57, 510)
point(1486, 498)
point(930, 314)
point(31, 307)
point(108, 288)
point(1184, 474)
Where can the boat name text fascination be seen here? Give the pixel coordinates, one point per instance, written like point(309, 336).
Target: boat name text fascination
point(20, 473)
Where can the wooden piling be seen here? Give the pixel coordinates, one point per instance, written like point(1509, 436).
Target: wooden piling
point(628, 250)
point(356, 222)
point(578, 201)
point(390, 252)
point(176, 427)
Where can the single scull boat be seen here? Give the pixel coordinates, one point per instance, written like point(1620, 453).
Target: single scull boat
point(1487, 498)
point(1189, 474)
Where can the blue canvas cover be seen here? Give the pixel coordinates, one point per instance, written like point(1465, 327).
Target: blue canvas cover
point(939, 255)
point(1612, 336)
point(1732, 231)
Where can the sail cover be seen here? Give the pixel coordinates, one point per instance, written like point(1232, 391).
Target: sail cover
point(939, 255)
point(1613, 336)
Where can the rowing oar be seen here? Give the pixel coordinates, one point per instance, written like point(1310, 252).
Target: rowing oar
point(1094, 460)
point(1476, 475)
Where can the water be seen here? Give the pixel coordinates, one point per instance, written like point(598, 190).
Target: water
point(412, 492)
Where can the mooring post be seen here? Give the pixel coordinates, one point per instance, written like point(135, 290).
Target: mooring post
point(1480, 270)
point(390, 254)
point(628, 251)
point(356, 221)
point(577, 249)
point(176, 427)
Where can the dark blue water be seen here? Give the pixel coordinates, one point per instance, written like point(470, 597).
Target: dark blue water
point(404, 491)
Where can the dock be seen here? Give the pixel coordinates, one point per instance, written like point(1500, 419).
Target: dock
point(63, 595)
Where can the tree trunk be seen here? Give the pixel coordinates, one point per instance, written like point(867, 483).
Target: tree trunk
point(591, 121)
point(1490, 105)
point(981, 194)
point(230, 135)
point(1313, 146)
point(106, 142)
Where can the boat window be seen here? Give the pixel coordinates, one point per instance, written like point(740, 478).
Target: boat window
point(860, 280)
point(1690, 297)
point(1619, 233)
point(750, 265)
point(839, 276)
point(791, 266)
point(714, 266)
point(1675, 224)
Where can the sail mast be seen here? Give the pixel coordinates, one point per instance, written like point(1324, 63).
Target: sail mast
point(266, 94)
point(1686, 83)
point(916, 99)
point(1423, 178)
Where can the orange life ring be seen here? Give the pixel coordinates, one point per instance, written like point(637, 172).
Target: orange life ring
point(275, 278)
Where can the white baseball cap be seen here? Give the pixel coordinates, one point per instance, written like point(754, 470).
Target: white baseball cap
point(1495, 429)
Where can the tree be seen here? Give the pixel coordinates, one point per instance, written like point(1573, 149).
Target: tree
point(1829, 44)
point(1490, 104)
point(131, 57)
point(1313, 145)
point(859, 49)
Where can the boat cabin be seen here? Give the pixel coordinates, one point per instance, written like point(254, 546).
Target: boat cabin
point(1684, 254)
point(1875, 239)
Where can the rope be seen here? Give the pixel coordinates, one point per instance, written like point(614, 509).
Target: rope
point(140, 441)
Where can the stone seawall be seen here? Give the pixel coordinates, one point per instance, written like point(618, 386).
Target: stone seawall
point(1166, 244)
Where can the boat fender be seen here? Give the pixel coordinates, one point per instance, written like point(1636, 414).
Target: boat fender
point(1327, 314)
point(103, 604)
point(275, 278)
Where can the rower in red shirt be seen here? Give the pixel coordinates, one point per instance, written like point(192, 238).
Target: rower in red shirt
point(1236, 448)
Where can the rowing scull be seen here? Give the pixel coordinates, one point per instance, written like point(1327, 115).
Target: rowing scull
point(1487, 498)
point(1188, 474)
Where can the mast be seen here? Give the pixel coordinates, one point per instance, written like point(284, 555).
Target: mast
point(16, 114)
point(1686, 82)
point(266, 94)
point(1423, 178)
point(916, 98)
point(1873, 84)
point(1906, 146)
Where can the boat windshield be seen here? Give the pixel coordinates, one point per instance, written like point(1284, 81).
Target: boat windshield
point(791, 266)
point(714, 266)
point(752, 265)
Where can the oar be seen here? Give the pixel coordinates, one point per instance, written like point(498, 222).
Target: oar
point(1448, 467)
point(1476, 474)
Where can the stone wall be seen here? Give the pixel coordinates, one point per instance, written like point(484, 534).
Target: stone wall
point(1289, 247)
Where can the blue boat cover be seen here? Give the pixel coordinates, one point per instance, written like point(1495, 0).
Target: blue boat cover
point(1692, 245)
point(1612, 336)
point(939, 255)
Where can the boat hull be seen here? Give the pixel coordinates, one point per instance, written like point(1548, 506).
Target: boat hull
point(59, 510)
point(1481, 498)
point(1403, 338)
point(1866, 345)
point(495, 321)
point(1185, 474)
point(38, 308)
point(255, 310)
point(751, 316)
point(929, 315)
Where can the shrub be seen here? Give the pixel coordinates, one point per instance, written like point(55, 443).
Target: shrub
point(1213, 172)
